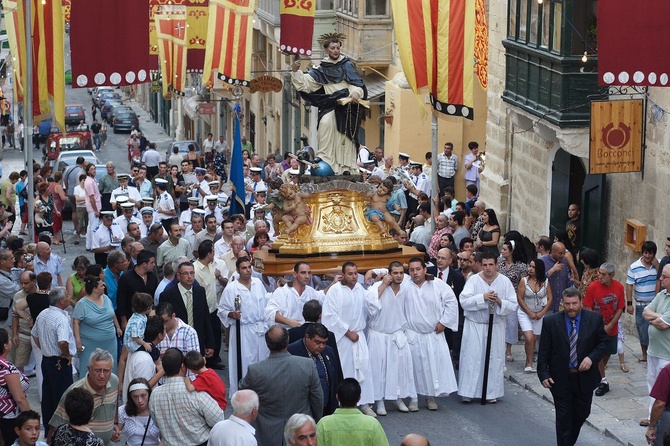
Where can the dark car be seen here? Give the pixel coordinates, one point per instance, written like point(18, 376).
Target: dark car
point(183, 148)
point(105, 109)
point(115, 110)
point(125, 120)
point(108, 97)
point(74, 113)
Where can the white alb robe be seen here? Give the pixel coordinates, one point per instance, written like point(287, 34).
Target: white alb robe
point(475, 332)
point(287, 302)
point(252, 326)
point(390, 356)
point(425, 306)
point(345, 309)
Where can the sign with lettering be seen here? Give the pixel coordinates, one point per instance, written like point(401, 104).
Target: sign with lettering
point(616, 136)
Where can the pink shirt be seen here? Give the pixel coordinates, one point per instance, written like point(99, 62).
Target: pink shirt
point(91, 188)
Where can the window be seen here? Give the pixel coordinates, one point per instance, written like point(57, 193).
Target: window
point(375, 8)
point(536, 25)
point(324, 5)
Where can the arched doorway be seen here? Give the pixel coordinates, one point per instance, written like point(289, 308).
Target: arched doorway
point(570, 183)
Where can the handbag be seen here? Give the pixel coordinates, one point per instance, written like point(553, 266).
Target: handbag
point(4, 313)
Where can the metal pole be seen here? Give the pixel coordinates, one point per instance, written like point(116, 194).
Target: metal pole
point(28, 119)
point(435, 191)
point(487, 358)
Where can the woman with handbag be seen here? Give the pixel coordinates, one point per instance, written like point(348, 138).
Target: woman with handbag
point(135, 418)
point(13, 386)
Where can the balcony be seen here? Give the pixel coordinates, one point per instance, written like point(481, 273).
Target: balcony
point(268, 11)
point(550, 86)
point(368, 31)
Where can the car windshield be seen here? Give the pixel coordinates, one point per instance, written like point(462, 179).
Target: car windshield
point(126, 116)
point(74, 109)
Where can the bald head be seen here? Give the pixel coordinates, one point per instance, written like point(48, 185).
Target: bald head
point(276, 338)
point(419, 220)
point(136, 248)
point(558, 251)
point(415, 440)
point(43, 250)
point(665, 277)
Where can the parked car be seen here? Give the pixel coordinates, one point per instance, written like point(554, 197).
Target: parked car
point(69, 158)
point(115, 110)
point(104, 110)
point(125, 120)
point(73, 114)
point(97, 91)
point(108, 97)
point(68, 77)
point(183, 148)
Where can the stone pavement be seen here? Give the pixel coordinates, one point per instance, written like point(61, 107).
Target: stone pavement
point(616, 414)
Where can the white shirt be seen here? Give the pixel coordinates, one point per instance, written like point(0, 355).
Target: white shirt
point(422, 183)
point(80, 196)
point(51, 327)
point(221, 246)
point(164, 202)
point(131, 192)
point(205, 189)
point(287, 302)
point(207, 145)
point(102, 236)
point(151, 158)
point(123, 223)
point(232, 432)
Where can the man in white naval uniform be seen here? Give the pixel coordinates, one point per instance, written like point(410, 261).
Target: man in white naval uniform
point(201, 187)
point(127, 217)
point(125, 191)
point(430, 308)
point(164, 203)
point(106, 237)
point(390, 355)
point(185, 216)
point(251, 316)
point(481, 290)
point(286, 302)
point(345, 313)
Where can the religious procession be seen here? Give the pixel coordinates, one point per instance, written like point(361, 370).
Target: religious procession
point(291, 246)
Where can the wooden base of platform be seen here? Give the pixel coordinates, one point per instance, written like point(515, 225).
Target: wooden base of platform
point(332, 263)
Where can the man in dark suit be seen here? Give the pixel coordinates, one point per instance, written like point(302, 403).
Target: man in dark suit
point(455, 280)
point(190, 305)
point(571, 345)
point(285, 385)
point(311, 312)
point(313, 346)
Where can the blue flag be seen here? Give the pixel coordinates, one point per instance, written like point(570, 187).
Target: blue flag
point(237, 168)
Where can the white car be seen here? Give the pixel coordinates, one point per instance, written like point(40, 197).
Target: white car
point(69, 158)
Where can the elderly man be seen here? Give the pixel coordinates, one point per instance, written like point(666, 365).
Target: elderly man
point(53, 335)
point(104, 386)
point(300, 390)
point(237, 430)
point(45, 260)
point(657, 313)
point(8, 287)
point(421, 234)
point(108, 182)
point(230, 257)
point(441, 227)
point(183, 417)
point(483, 292)
point(300, 430)
point(244, 300)
point(21, 321)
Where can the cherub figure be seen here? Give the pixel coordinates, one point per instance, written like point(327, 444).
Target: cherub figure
point(275, 203)
point(296, 212)
point(377, 212)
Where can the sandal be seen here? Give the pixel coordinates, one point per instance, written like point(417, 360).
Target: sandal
point(509, 358)
point(642, 360)
point(644, 423)
point(56, 242)
point(624, 368)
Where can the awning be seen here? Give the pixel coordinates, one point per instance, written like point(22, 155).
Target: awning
point(375, 84)
point(191, 106)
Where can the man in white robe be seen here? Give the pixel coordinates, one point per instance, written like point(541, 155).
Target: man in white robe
point(390, 356)
point(344, 313)
point(252, 320)
point(481, 290)
point(430, 308)
point(286, 302)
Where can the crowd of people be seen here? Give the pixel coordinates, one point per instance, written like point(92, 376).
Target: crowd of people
point(169, 278)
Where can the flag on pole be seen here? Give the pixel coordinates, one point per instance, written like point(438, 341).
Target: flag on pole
point(296, 20)
point(229, 41)
point(171, 33)
point(436, 42)
point(48, 83)
point(237, 168)
point(121, 59)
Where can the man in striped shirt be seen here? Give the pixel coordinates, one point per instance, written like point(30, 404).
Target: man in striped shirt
point(641, 284)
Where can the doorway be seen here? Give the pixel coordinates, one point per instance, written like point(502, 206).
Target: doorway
point(571, 184)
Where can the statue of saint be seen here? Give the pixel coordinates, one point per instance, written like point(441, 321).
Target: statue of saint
point(336, 89)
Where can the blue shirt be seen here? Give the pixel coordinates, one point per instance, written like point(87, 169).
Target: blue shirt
point(112, 285)
point(568, 326)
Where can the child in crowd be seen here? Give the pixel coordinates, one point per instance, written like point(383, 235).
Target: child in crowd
point(142, 304)
point(28, 429)
point(206, 380)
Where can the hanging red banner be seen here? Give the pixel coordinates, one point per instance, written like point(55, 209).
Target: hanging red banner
point(296, 18)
